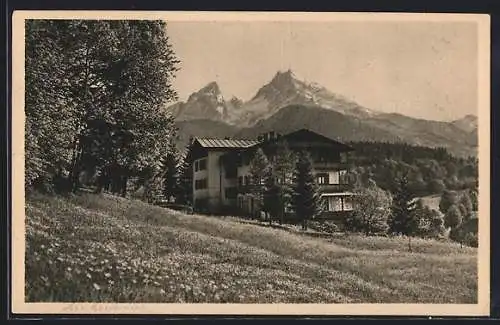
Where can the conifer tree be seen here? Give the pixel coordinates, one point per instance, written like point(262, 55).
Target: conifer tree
point(306, 198)
point(402, 220)
point(259, 169)
point(171, 173)
point(272, 201)
point(185, 183)
point(283, 165)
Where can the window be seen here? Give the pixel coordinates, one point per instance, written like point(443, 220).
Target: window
point(200, 184)
point(343, 177)
point(334, 177)
point(348, 206)
point(334, 203)
point(230, 193)
point(339, 203)
point(200, 164)
point(203, 164)
point(322, 178)
point(240, 181)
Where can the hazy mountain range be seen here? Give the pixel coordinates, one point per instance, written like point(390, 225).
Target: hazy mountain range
point(287, 103)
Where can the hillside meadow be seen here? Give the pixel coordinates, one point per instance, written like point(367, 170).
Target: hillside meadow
point(102, 248)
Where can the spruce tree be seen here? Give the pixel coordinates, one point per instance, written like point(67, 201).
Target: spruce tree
point(185, 182)
point(272, 201)
point(283, 165)
point(402, 221)
point(306, 198)
point(171, 173)
point(259, 169)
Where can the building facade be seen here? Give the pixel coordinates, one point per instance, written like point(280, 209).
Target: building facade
point(221, 171)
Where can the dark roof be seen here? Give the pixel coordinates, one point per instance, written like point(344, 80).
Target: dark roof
point(301, 134)
point(306, 133)
point(225, 143)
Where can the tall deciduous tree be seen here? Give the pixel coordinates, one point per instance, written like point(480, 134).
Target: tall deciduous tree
point(108, 82)
point(448, 198)
point(49, 109)
point(453, 217)
point(372, 209)
point(306, 197)
point(466, 205)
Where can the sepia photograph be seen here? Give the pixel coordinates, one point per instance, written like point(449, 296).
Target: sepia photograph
point(250, 163)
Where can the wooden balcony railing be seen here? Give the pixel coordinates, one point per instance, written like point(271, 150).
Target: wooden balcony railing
point(332, 188)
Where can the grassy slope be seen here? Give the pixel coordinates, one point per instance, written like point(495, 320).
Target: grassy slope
point(102, 248)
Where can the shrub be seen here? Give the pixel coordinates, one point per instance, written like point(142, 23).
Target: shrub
point(372, 208)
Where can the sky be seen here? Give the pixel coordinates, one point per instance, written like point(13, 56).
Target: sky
point(421, 69)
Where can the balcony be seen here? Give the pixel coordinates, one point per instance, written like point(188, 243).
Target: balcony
point(333, 188)
point(329, 165)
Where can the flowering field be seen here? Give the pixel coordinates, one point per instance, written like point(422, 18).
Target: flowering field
point(91, 248)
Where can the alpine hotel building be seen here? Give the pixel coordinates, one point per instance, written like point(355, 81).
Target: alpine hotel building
point(221, 171)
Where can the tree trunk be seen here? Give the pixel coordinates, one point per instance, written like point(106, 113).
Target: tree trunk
point(124, 186)
point(74, 163)
point(75, 176)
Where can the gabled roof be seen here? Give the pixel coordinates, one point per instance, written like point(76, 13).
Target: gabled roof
point(225, 143)
point(312, 135)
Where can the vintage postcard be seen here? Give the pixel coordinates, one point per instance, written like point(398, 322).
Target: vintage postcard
point(257, 163)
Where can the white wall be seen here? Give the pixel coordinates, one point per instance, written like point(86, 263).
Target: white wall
point(214, 177)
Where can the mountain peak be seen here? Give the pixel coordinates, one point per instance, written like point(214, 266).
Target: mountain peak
point(211, 87)
point(284, 76)
point(467, 123)
point(470, 117)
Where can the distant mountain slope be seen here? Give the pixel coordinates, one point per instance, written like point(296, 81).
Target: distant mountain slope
point(286, 89)
point(287, 104)
point(380, 128)
point(427, 133)
point(207, 103)
point(327, 122)
point(468, 123)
